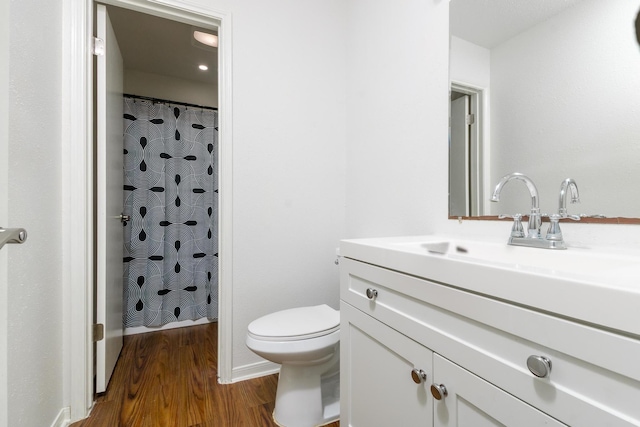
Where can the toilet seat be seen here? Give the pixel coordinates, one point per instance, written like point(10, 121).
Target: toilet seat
point(296, 324)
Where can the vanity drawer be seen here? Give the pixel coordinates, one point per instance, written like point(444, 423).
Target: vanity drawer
point(594, 379)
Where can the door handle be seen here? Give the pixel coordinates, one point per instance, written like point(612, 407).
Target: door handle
point(12, 235)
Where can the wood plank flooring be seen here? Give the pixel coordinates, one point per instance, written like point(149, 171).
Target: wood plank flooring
point(168, 379)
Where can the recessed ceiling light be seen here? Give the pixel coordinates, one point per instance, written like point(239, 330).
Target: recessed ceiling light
point(203, 67)
point(206, 38)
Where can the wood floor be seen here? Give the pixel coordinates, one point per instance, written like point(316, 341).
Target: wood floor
point(168, 378)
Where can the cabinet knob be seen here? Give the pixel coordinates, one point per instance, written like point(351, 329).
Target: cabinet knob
point(439, 391)
point(372, 293)
point(539, 366)
point(418, 376)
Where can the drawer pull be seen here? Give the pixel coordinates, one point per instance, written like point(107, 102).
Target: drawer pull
point(439, 391)
point(372, 293)
point(418, 376)
point(539, 366)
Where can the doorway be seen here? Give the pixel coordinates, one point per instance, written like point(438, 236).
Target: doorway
point(467, 148)
point(158, 71)
point(167, 71)
point(172, 76)
point(78, 174)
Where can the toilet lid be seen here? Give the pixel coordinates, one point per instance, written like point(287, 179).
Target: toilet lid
point(296, 323)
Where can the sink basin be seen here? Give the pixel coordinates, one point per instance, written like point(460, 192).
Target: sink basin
point(573, 262)
point(595, 285)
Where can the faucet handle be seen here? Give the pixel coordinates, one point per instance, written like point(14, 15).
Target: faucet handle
point(573, 217)
point(554, 232)
point(516, 229)
point(561, 215)
point(514, 216)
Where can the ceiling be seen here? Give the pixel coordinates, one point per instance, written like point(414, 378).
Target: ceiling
point(161, 46)
point(490, 22)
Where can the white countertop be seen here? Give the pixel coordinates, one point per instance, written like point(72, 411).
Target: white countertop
point(600, 286)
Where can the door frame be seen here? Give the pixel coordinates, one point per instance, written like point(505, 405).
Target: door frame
point(78, 189)
point(459, 155)
point(479, 144)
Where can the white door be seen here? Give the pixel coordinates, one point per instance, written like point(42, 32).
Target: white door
point(472, 402)
point(377, 388)
point(459, 158)
point(4, 209)
point(109, 237)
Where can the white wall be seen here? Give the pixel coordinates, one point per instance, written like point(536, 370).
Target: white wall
point(469, 63)
point(170, 88)
point(34, 305)
point(397, 97)
point(288, 156)
point(289, 164)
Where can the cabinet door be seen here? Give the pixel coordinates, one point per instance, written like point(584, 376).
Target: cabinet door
point(377, 387)
point(473, 402)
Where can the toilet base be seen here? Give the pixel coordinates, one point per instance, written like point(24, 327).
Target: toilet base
point(331, 398)
point(305, 398)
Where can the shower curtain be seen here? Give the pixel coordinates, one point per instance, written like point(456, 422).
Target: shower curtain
point(171, 196)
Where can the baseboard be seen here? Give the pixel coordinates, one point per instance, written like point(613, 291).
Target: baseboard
point(254, 370)
point(63, 419)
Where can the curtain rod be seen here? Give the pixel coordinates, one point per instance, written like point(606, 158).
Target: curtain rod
point(166, 101)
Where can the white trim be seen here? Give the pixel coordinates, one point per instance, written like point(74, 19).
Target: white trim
point(255, 370)
point(77, 205)
point(225, 212)
point(77, 179)
point(63, 419)
point(175, 10)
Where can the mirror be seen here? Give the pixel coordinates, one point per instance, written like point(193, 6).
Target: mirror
point(549, 89)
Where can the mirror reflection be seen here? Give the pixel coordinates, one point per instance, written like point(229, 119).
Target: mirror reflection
point(548, 89)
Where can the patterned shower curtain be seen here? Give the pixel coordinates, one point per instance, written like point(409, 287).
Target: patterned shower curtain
point(171, 194)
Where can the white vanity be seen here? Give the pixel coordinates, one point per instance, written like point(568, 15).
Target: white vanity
point(448, 332)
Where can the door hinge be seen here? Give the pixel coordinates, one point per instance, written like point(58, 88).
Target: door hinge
point(98, 332)
point(98, 46)
point(470, 119)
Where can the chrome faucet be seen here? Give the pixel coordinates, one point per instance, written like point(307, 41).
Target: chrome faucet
point(554, 233)
point(553, 238)
point(567, 184)
point(533, 227)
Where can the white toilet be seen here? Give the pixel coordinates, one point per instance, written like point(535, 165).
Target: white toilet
point(305, 341)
